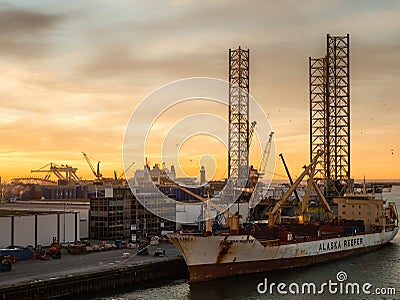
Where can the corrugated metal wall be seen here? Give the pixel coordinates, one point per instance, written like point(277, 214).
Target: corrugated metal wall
point(39, 229)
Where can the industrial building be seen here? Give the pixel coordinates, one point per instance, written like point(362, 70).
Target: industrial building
point(115, 213)
point(33, 228)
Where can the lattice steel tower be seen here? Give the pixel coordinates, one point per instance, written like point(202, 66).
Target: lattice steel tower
point(338, 111)
point(317, 78)
point(238, 160)
point(330, 109)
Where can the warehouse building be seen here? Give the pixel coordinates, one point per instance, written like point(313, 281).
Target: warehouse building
point(115, 213)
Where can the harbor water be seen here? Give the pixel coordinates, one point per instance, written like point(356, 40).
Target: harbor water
point(378, 272)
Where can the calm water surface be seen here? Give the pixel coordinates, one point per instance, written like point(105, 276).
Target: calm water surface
point(380, 268)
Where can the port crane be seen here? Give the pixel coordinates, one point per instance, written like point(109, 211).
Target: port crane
point(126, 171)
point(97, 174)
point(264, 160)
point(257, 192)
point(70, 172)
point(251, 131)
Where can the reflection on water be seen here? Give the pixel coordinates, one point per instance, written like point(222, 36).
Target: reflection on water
point(381, 268)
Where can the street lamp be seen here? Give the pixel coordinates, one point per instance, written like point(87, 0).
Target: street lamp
point(64, 221)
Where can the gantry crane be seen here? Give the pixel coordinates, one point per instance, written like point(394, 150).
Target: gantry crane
point(97, 174)
point(70, 172)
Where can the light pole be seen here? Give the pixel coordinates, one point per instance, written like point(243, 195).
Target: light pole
point(64, 221)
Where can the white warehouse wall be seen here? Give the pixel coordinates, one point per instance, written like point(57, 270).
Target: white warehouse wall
point(47, 229)
point(5, 229)
point(24, 230)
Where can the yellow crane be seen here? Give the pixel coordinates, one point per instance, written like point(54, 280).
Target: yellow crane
point(275, 213)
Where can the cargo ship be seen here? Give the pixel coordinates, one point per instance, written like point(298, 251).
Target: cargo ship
point(363, 223)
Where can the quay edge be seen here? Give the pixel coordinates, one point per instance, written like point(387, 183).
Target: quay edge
point(107, 281)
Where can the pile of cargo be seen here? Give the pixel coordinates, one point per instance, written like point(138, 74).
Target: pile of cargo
point(82, 247)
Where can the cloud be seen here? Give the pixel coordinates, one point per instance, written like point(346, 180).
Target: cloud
point(22, 32)
point(68, 86)
point(133, 66)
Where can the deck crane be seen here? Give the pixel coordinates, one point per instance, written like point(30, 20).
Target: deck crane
point(290, 177)
point(97, 174)
point(275, 213)
point(232, 219)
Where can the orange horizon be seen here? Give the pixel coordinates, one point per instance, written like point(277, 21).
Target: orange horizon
point(71, 76)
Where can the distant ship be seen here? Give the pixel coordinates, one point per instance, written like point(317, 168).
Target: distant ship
point(363, 224)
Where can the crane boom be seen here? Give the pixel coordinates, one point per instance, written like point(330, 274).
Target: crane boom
point(257, 192)
point(274, 213)
point(265, 157)
point(126, 171)
point(96, 174)
point(216, 206)
point(290, 177)
point(251, 131)
point(232, 219)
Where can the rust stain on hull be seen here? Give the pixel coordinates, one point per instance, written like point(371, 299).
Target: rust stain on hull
point(206, 272)
point(223, 250)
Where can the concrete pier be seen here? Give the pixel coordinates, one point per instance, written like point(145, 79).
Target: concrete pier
point(86, 274)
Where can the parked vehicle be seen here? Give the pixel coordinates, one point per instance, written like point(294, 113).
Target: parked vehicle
point(5, 265)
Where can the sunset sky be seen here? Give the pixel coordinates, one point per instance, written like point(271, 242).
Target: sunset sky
point(72, 73)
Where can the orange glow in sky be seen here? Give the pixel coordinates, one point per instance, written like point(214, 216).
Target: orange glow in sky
point(72, 73)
